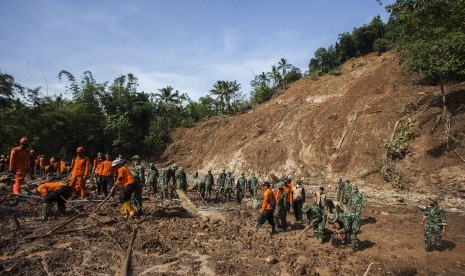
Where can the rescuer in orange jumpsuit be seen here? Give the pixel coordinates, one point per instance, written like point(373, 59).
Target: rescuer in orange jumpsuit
point(80, 173)
point(125, 179)
point(20, 163)
point(53, 192)
point(42, 165)
point(267, 210)
point(63, 168)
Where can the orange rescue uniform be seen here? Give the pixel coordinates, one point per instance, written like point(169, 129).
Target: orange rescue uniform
point(49, 187)
point(125, 177)
point(106, 169)
point(268, 200)
point(19, 164)
point(79, 174)
point(63, 167)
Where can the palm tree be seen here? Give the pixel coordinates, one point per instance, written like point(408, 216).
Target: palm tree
point(167, 96)
point(220, 89)
point(233, 88)
point(283, 65)
point(275, 75)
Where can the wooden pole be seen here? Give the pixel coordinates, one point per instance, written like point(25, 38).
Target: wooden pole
point(18, 226)
point(125, 269)
point(64, 223)
point(109, 195)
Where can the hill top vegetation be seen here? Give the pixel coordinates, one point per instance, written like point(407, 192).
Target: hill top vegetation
point(116, 117)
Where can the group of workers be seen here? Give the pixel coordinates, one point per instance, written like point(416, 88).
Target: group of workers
point(344, 214)
point(345, 218)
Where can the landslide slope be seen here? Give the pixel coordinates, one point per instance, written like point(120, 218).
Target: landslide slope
point(336, 126)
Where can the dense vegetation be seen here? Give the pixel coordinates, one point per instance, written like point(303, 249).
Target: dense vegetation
point(116, 117)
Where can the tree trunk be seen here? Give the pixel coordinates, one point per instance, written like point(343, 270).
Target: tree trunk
point(443, 94)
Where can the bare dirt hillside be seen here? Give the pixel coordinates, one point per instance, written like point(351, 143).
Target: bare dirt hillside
point(336, 126)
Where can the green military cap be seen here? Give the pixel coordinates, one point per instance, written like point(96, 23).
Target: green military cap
point(174, 166)
point(136, 157)
point(332, 218)
point(305, 207)
point(280, 185)
point(181, 168)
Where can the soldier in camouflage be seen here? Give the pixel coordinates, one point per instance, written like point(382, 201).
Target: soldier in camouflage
point(152, 181)
point(219, 188)
point(139, 178)
point(347, 227)
point(347, 192)
point(316, 218)
point(281, 207)
point(356, 203)
point(163, 186)
point(181, 179)
point(209, 182)
point(253, 185)
point(434, 222)
point(340, 189)
point(229, 184)
point(170, 175)
point(241, 186)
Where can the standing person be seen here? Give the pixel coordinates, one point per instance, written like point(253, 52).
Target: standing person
point(228, 184)
point(356, 202)
point(253, 186)
point(37, 166)
point(51, 168)
point(299, 199)
point(3, 163)
point(139, 181)
point(209, 183)
point(57, 192)
point(348, 227)
point(181, 179)
point(347, 192)
point(126, 181)
point(340, 189)
point(79, 174)
point(288, 185)
point(320, 198)
point(19, 163)
point(63, 168)
point(219, 188)
point(152, 181)
point(241, 186)
point(163, 187)
point(42, 165)
point(267, 211)
point(32, 163)
point(434, 223)
point(107, 175)
point(170, 175)
point(96, 170)
point(281, 207)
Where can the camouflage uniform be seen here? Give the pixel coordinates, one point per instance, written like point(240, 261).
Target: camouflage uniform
point(347, 192)
point(139, 178)
point(229, 184)
point(281, 206)
point(181, 179)
point(219, 188)
point(241, 186)
point(209, 182)
point(356, 204)
point(170, 175)
point(316, 217)
point(152, 180)
point(163, 186)
point(340, 189)
point(434, 221)
point(349, 226)
point(253, 185)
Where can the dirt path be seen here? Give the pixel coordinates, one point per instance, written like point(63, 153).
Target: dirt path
point(171, 242)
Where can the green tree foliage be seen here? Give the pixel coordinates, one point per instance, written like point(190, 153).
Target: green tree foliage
point(266, 84)
point(430, 37)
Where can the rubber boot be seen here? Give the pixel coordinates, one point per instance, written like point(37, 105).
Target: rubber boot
point(45, 210)
point(16, 188)
point(125, 210)
point(257, 226)
point(278, 230)
point(129, 209)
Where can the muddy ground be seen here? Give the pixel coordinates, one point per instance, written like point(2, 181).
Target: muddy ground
point(170, 241)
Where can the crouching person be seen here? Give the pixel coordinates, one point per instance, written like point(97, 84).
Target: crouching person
point(125, 180)
point(52, 192)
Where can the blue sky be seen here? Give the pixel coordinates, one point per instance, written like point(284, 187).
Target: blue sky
point(188, 44)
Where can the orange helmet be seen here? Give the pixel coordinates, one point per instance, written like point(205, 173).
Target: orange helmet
point(80, 150)
point(24, 140)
